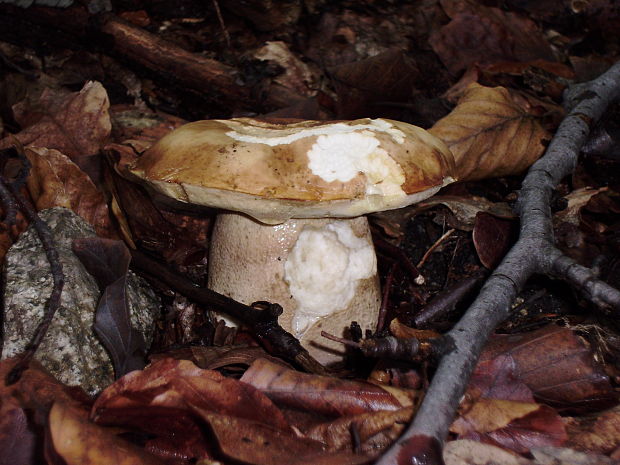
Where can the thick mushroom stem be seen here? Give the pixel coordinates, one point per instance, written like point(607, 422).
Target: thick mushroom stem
point(321, 271)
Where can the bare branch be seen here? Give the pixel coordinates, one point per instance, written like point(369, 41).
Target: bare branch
point(534, 252)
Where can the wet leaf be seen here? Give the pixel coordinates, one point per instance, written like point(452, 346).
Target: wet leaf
point(490, 134)
point(55, 181)
point(76, 124)
point(74, 440)
point(181, 384)
point(108, 262)
point(493, 238)
point(321, 394)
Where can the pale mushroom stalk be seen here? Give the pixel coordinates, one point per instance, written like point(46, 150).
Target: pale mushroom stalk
point(301, 189)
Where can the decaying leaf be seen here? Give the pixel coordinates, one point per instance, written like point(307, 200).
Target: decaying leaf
point(602, 436)
point(76, 124)
point(477, 33)
point(321, 394)
point(55, 181)
point(74, 440)
point(557, 365)
point(490, 134)
point(374, 430)
point(181, 384)
point(493, 237)
point(17, 436)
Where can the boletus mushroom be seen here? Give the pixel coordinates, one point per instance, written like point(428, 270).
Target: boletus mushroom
point(294, 195)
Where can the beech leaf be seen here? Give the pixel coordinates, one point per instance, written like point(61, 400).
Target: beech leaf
point(490, 135)
point(322, 394)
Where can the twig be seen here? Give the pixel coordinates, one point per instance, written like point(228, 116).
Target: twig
point(432, 248)
point(261, 318)
point(218, 12)
point(534, 252)
point(387, 289)
point(45, 236)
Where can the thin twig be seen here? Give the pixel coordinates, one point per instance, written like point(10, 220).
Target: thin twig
point(387, 290)
point(53, 303)
point(218, 12)
point(534, 252)
point(432, 248)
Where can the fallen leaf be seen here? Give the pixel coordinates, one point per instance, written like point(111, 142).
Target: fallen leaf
point(493, 237)
point(181, 384)
point(468, 452)
point(322, 394)
point(373, 431)
point(108, 262)
point(602, 436)
point(76, 441)
point(488, 415)
point(557, 365)
point(565, 456)
point(76, 124)
point(17, 436)
point(363, 85)
point(481, 34)
point(55, 181)
point(490, 135)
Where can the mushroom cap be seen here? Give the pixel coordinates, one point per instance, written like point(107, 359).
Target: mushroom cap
point(274, 170)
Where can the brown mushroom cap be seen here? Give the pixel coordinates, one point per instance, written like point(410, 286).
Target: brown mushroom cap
point(275, 171)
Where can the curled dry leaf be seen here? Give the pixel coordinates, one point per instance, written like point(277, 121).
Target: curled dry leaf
point(77, 124)
point(322, 394)
point(492, 238)
point(55, 181)
point(74, 440)
point(490, 134)
point(181, 384)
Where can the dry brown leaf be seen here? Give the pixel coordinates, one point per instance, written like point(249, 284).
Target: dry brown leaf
point(468, 452)
point(321, 394)
point(77, 441)
point(488, 415)
point(77, 124)
point(490, 135)
point(375, 430)
point(181, 384)
point(603, 436)
point(55, 181)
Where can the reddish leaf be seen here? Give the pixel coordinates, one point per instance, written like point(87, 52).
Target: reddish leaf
point(181, 384)
point(557, 365)
point(17, 438)
point(375, 431)
point(74, 440)
point(55, 181)
point(321, 394)
point(492, 238)
point(108, 261)
point(480, 34)
point(76, 124)
point(602, 436)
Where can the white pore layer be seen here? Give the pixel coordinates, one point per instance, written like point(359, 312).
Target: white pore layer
point(323, 271)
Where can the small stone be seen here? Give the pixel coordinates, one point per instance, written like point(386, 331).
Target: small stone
point(70, 351)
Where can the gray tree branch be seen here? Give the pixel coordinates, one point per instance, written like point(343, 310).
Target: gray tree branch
point(534, 252)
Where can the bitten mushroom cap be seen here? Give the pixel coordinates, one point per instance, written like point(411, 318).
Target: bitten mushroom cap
point(274, 171)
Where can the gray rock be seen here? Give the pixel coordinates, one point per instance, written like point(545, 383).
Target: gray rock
point(70, 350)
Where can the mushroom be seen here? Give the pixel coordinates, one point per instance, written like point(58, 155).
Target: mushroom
point(295, 194)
